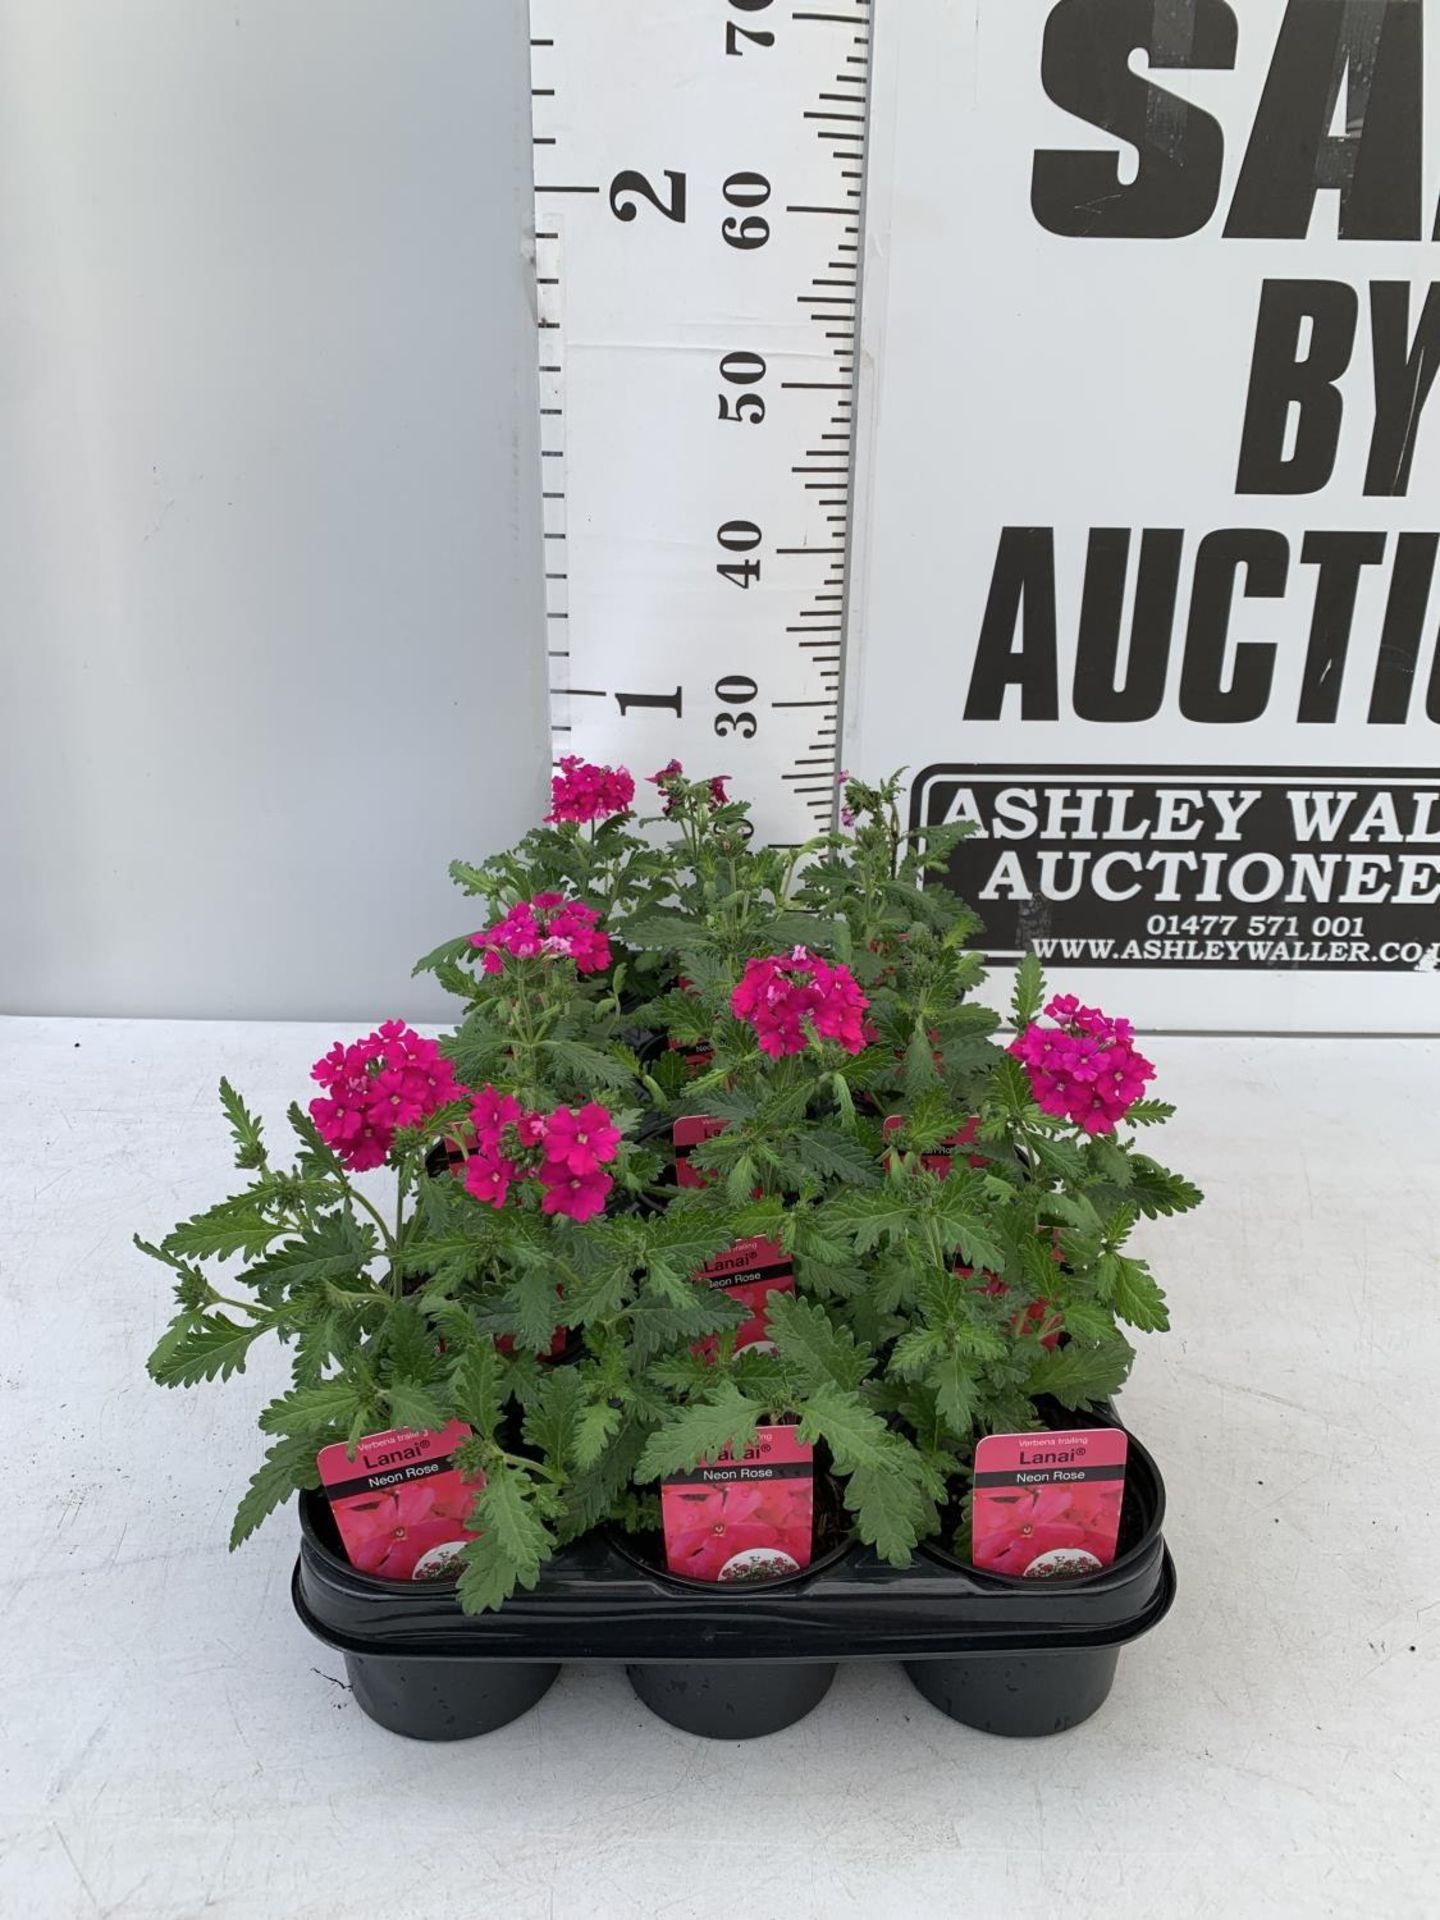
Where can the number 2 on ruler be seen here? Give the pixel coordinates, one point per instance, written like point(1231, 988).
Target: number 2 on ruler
point(735, 33)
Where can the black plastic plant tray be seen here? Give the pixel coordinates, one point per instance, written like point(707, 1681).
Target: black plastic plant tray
point(1038, 1646)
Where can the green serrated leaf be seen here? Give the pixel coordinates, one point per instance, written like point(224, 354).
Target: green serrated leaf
point(920, 1070)
point(1061, 1159)
point(929, 1121)
point(855, 1434)
point(596, 1428)
point(1080, 1376)
point(478, 1389)
point(307, 1411)
point(1110, 1162)
point(237, 1225)
point(1010, 1085)
point(472, 880)
point(1156, 1190)
point(591, 1068)
point(836, 1155)
point(1088, 1320)
point(868, 1218)
point(1132, 1290)
point(212, 1348)
point(1120, 1226)
point(740, 1180)
point(514, 1542)
point(696, 1433)
point(1029, 992)
point(1073, 1210)
point(315, 1155)
point(446, 956)
point(246, 1130)
point(819, 1349)
point(534, 1306)
point(657, 1324)
point(659, 930)
point(888, 1488)
point(289, 1467)
point(597, 1484)
point(414, 1404)
point(685, 1239)
point(335, 1250)
point(961, 1222)
point(914, 1353)
point(957, 1392)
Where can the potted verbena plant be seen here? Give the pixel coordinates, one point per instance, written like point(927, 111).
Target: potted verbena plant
point(723, 1217)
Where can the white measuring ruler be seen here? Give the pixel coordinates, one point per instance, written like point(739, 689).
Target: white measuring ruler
point(700, 175)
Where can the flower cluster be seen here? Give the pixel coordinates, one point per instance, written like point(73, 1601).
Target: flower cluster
point(670, 780)
point(1085, 1068)
point(375, 1086)
point(566, 1151)
point(548, 924)
point(582, 791)
point(779, 994)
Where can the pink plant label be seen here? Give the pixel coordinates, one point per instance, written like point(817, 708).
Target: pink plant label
point(689, 1132)
point(696, 1059)
point(745, 1517)
point(749, 1272)
point(1047, 1505)
point(400, 1503)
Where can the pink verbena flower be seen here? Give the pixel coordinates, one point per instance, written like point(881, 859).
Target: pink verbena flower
point(579, 1141)
point(779, 994)
point(374, 1087)
point(506, 1136)
point(670, 778)
point(583, 791)
point(1085, 1068)
point(579, 1195)
point(667, 780)
point(847, 813)
point(488, 1175)
point(564, 1150)
point(548, 924)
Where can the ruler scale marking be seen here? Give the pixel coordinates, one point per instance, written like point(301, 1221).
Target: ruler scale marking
point(658, 233)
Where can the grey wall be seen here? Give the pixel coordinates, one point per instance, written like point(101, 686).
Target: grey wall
point(270, 608)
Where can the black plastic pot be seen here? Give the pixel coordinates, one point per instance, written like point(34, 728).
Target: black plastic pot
point(446, 1699)
point(1008, 1656)
point(1044, 1691)
point(735, 1699)
point(1021, 1695)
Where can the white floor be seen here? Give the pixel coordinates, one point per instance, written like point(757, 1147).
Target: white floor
point(172, 1743)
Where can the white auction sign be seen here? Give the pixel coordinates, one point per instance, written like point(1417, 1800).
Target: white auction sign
point(1150, 481)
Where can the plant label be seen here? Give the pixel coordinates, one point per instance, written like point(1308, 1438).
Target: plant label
point(745, 1517)
point(692, 1130)
point(695, 1059)
point(749, 1272)
point(1047, 1505)
point(400, 1503)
